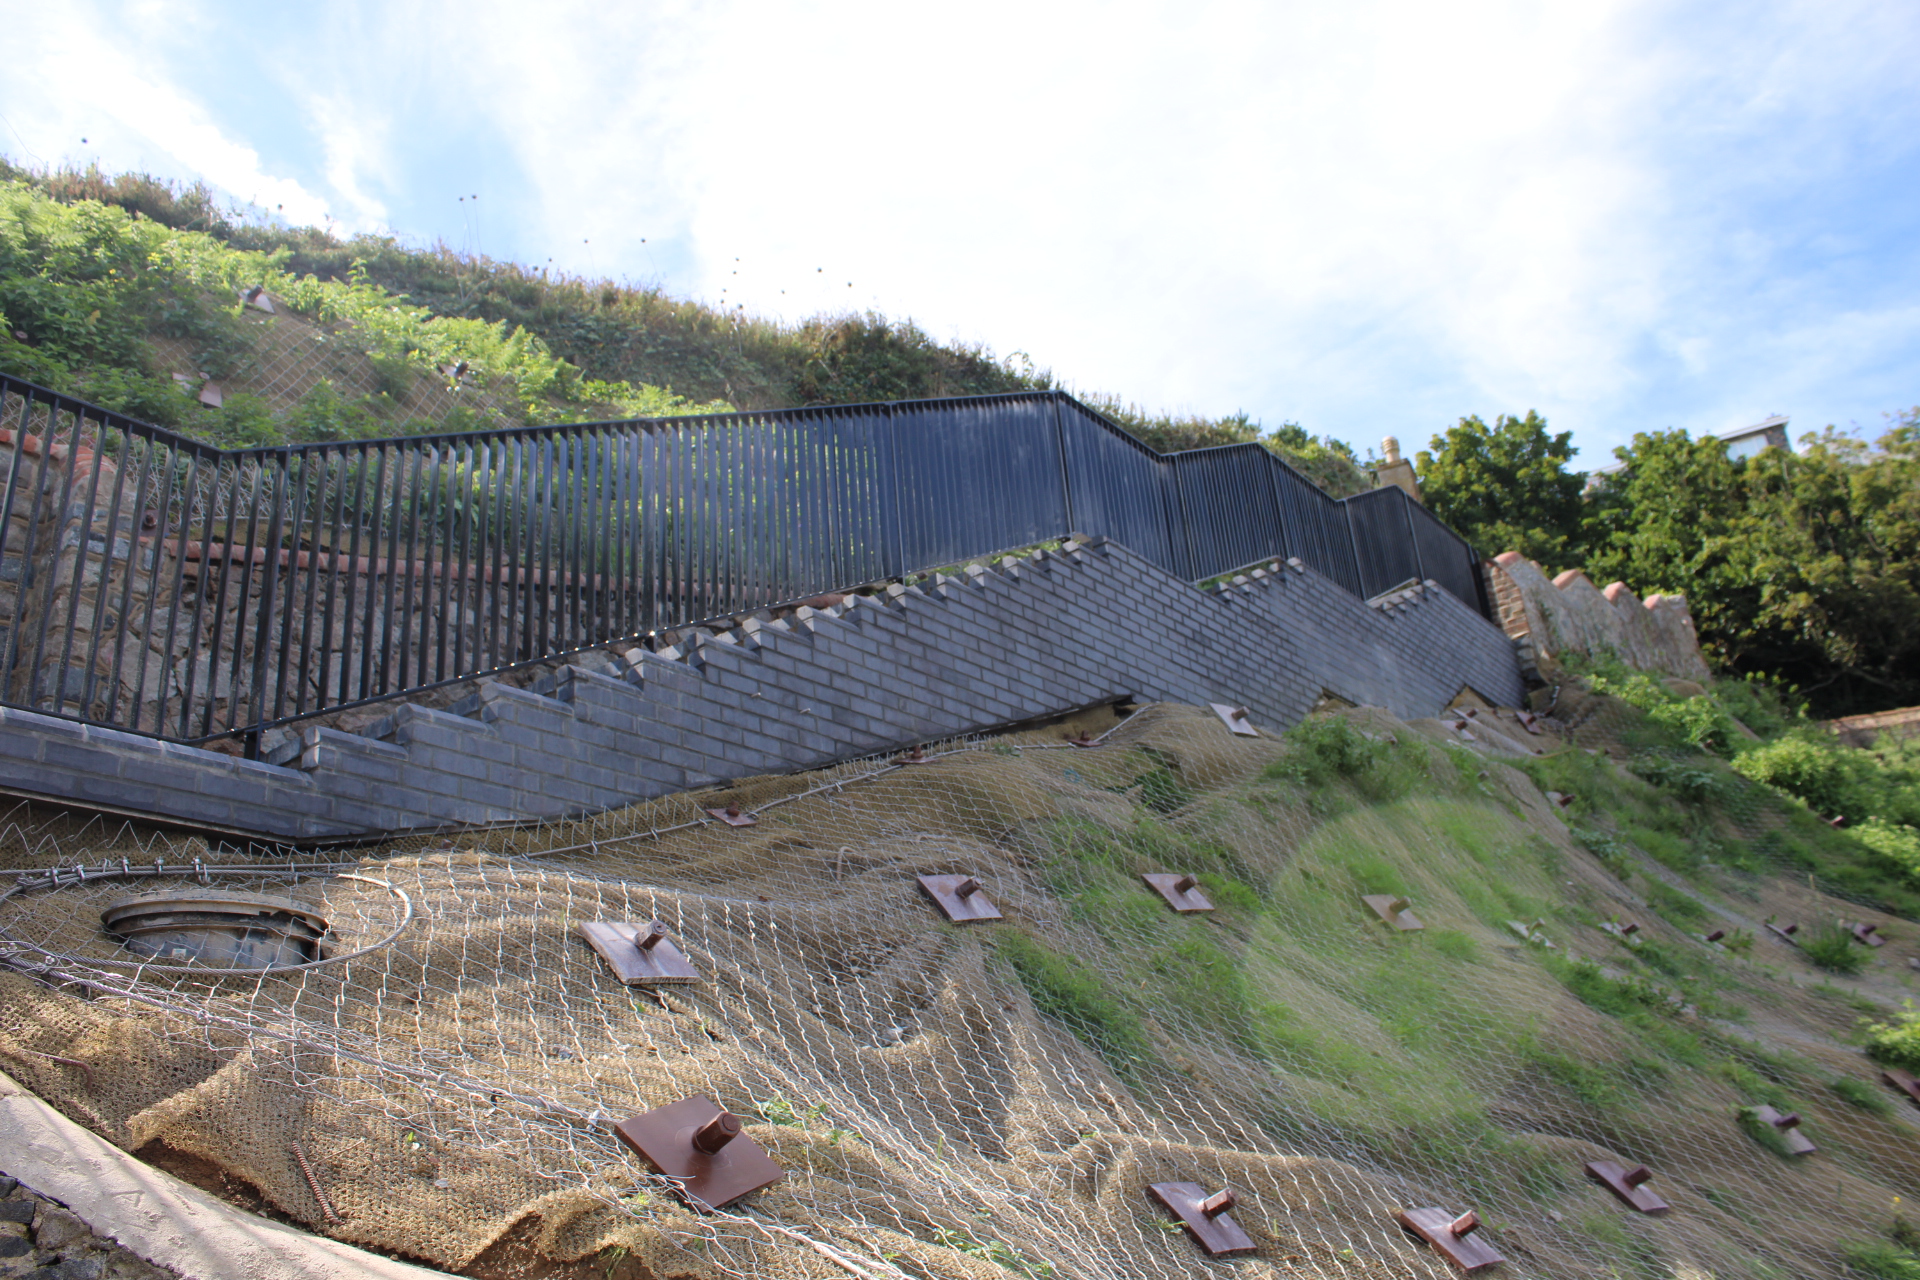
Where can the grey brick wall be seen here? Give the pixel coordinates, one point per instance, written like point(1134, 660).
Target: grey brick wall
point(1023, 639)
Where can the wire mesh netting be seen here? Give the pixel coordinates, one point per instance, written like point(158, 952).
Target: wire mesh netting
point(995, 1098)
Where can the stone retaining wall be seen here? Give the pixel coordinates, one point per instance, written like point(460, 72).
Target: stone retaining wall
point(1569, 614)
point(1024, 639)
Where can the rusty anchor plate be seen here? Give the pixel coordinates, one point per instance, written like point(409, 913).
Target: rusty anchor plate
point(1182, 892)
point(639, 955)
point(1393, 910)
point(1456, 1239)
point(1869, 934)
point(1903, 1082)
point(1204, 1216)
point(961, 898)
point(1785, 933)
point(733, 815)
point(700, 1145)
point(1788, 1127)
point(1622, 929)
point(1628, 1185)
point(1235, 718)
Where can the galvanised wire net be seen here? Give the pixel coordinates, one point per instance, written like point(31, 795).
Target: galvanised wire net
point(995, 1098)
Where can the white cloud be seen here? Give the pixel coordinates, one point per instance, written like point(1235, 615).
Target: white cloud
point(1371, 217)
point(89, 81)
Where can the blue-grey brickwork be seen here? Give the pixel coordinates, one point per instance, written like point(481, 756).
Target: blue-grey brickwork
point(1051, 633)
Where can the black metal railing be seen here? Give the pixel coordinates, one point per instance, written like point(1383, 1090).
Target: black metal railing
point(170, 588)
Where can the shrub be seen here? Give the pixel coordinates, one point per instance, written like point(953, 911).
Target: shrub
point(1898, 847)
point(1896, 1042)
point(1701, 722)
point(1323, 748)
point(1833, 949)
point(1814, 772)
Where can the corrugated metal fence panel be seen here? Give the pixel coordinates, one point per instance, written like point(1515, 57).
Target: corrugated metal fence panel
point(976, 476)
point(1383, 539)
point(1227, 502)
point(1316, 526)
point(1120, 488)
point(1445, 555)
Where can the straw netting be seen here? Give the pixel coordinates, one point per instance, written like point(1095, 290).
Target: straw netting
point(979, 1100)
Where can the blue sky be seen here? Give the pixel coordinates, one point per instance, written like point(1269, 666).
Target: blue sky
point(1371, 218)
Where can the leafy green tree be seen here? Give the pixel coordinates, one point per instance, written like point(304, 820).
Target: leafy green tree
point(1506, 487)
point(1801, 566)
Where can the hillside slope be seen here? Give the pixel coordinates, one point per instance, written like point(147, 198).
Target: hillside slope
point(120, 282)
point(993, 1099)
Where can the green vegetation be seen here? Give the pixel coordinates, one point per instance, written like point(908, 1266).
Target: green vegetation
point(1801, 568)
point(1863, 1095)
point(1754, 789)
point(95, 267)
point(1506, 487)
point(1896, 1041)
point(1881, 1260)
point(1833, 949)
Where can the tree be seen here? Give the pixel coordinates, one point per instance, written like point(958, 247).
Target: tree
point(1506, 487)
point(1802, 566)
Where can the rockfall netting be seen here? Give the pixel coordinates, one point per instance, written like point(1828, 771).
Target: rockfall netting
point(989, 1099)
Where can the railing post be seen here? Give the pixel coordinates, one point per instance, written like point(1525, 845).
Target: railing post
point(269, 590)
point(1406, 512)
point(1066, 474)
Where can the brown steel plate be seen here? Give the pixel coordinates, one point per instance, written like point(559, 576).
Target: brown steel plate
point(1218, 1235)
point(1869, 934)
point(1236, 719)
point(661, 963)
point(1168, 887)
point(1788, 1127)
point(1613, 1176)
point(1435, 1226)
point(960, 910)
point(1902, 1081)
point(738, 818)
point(664, 1139)
point(1785, 933)
point(1393, 910)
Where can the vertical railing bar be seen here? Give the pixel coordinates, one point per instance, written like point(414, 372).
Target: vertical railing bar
point(154, 449)
point(126, 580)
point(387, 511)
point(25, 556)
point(407, 506)
point(440, 558)
point(499, 527)
point(179, 577)
point(359, 584)
point(593, 538)
point(79, 562)
point(287, 504)
point(630, 560)
point(567, 549)
point(235, 672)
point(307, 584)
point(521, 563)
point(549, 486)
point(215, 487)
point(466, 474)
point(336, 534)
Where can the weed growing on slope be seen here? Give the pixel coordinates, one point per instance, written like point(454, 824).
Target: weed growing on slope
point(1833, 949)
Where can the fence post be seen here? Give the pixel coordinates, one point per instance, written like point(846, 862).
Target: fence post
point(1066, 474)
point(1406, 511)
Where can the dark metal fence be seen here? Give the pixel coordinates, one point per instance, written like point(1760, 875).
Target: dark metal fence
point(170, 588)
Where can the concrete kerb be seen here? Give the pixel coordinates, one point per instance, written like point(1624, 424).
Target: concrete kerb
point(162, 1219)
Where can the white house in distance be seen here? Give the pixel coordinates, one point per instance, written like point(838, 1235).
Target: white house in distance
point(1741, 442)
point(1768, 433)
